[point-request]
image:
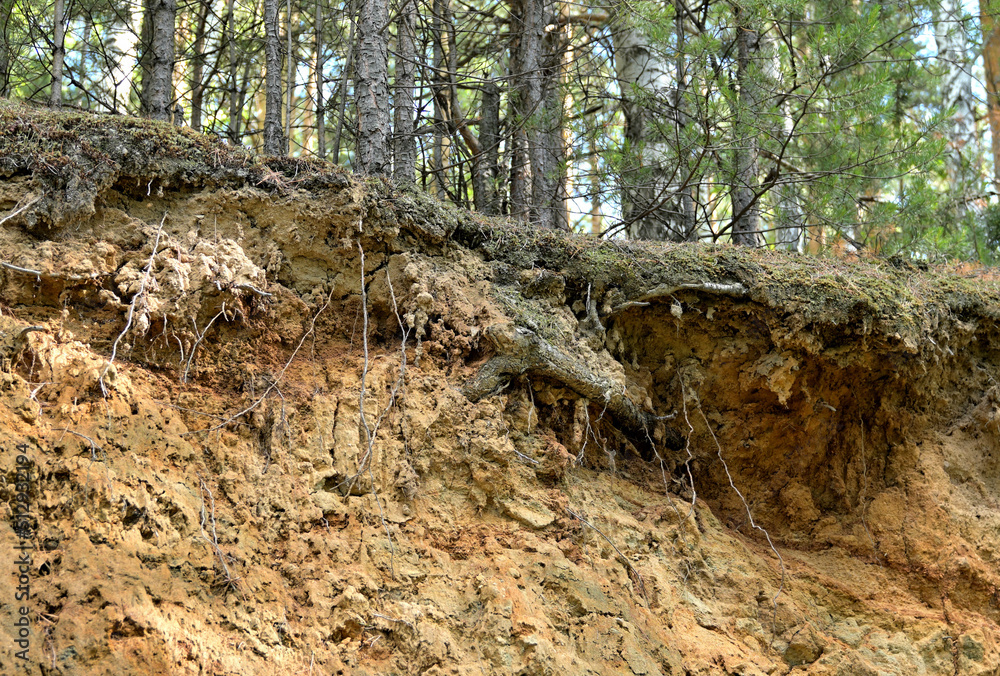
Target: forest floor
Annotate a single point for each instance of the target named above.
(283, 421)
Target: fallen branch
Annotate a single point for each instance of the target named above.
(520, 351)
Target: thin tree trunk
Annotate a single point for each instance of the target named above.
(953, 49)
(441, 99)
(6, 9)
(290, 77)
(654, 204)
(58, 54)
(790, 220)
(743, 191)
(235, 107)
(526, 101)
(157, 89)
(195, 84)
(274, 141)
(486, 169)
(371, 89)
(404, 141)
(320, 112)
(991, 62)
(549, 185)
(343, 84)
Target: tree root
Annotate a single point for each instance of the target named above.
(520, 351)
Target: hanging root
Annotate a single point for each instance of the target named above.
(520, 351)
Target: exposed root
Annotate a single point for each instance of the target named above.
(753, 524)
(520, 351)
(140, 295)
(640, 583)
(227, 580)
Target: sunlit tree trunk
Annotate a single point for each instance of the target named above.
(58, 53)
(195, 83)
(953, 51)
(371, 89)
(991, 62)
(274, 140)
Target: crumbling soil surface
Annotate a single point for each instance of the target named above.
(265, 418)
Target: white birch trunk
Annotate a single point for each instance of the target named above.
(954, 52)
(653, 204)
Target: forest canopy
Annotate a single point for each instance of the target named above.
(795, 124)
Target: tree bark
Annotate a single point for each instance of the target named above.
(654, 204)
(526, 99)
(441, 97)
(274, 140)
(549, 184)
(404, 143)
(320, 62)
(159, 25)
(991, 62)
(6, 9)
(290, 76)
(744, 189)
(195, 83)
(58, 53)
(486, 169)
(235, 105)
(371, 89)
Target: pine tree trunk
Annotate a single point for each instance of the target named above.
(274, 140)
(526, 102)
(235, 107)
(195, 83)
(654, 205)
(342, 100)
(320, 62)
(991, 63)
(404, 143)
(159, 25)
(58, 53)
(486, 169)
(744, 189)
(440, 94)
(290, 76)
(6, 9)
(371, 89)
(549, 184)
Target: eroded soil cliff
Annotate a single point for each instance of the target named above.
(282, 421)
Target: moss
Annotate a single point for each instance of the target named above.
(72, 157)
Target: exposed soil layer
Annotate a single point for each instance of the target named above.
(282, 421)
